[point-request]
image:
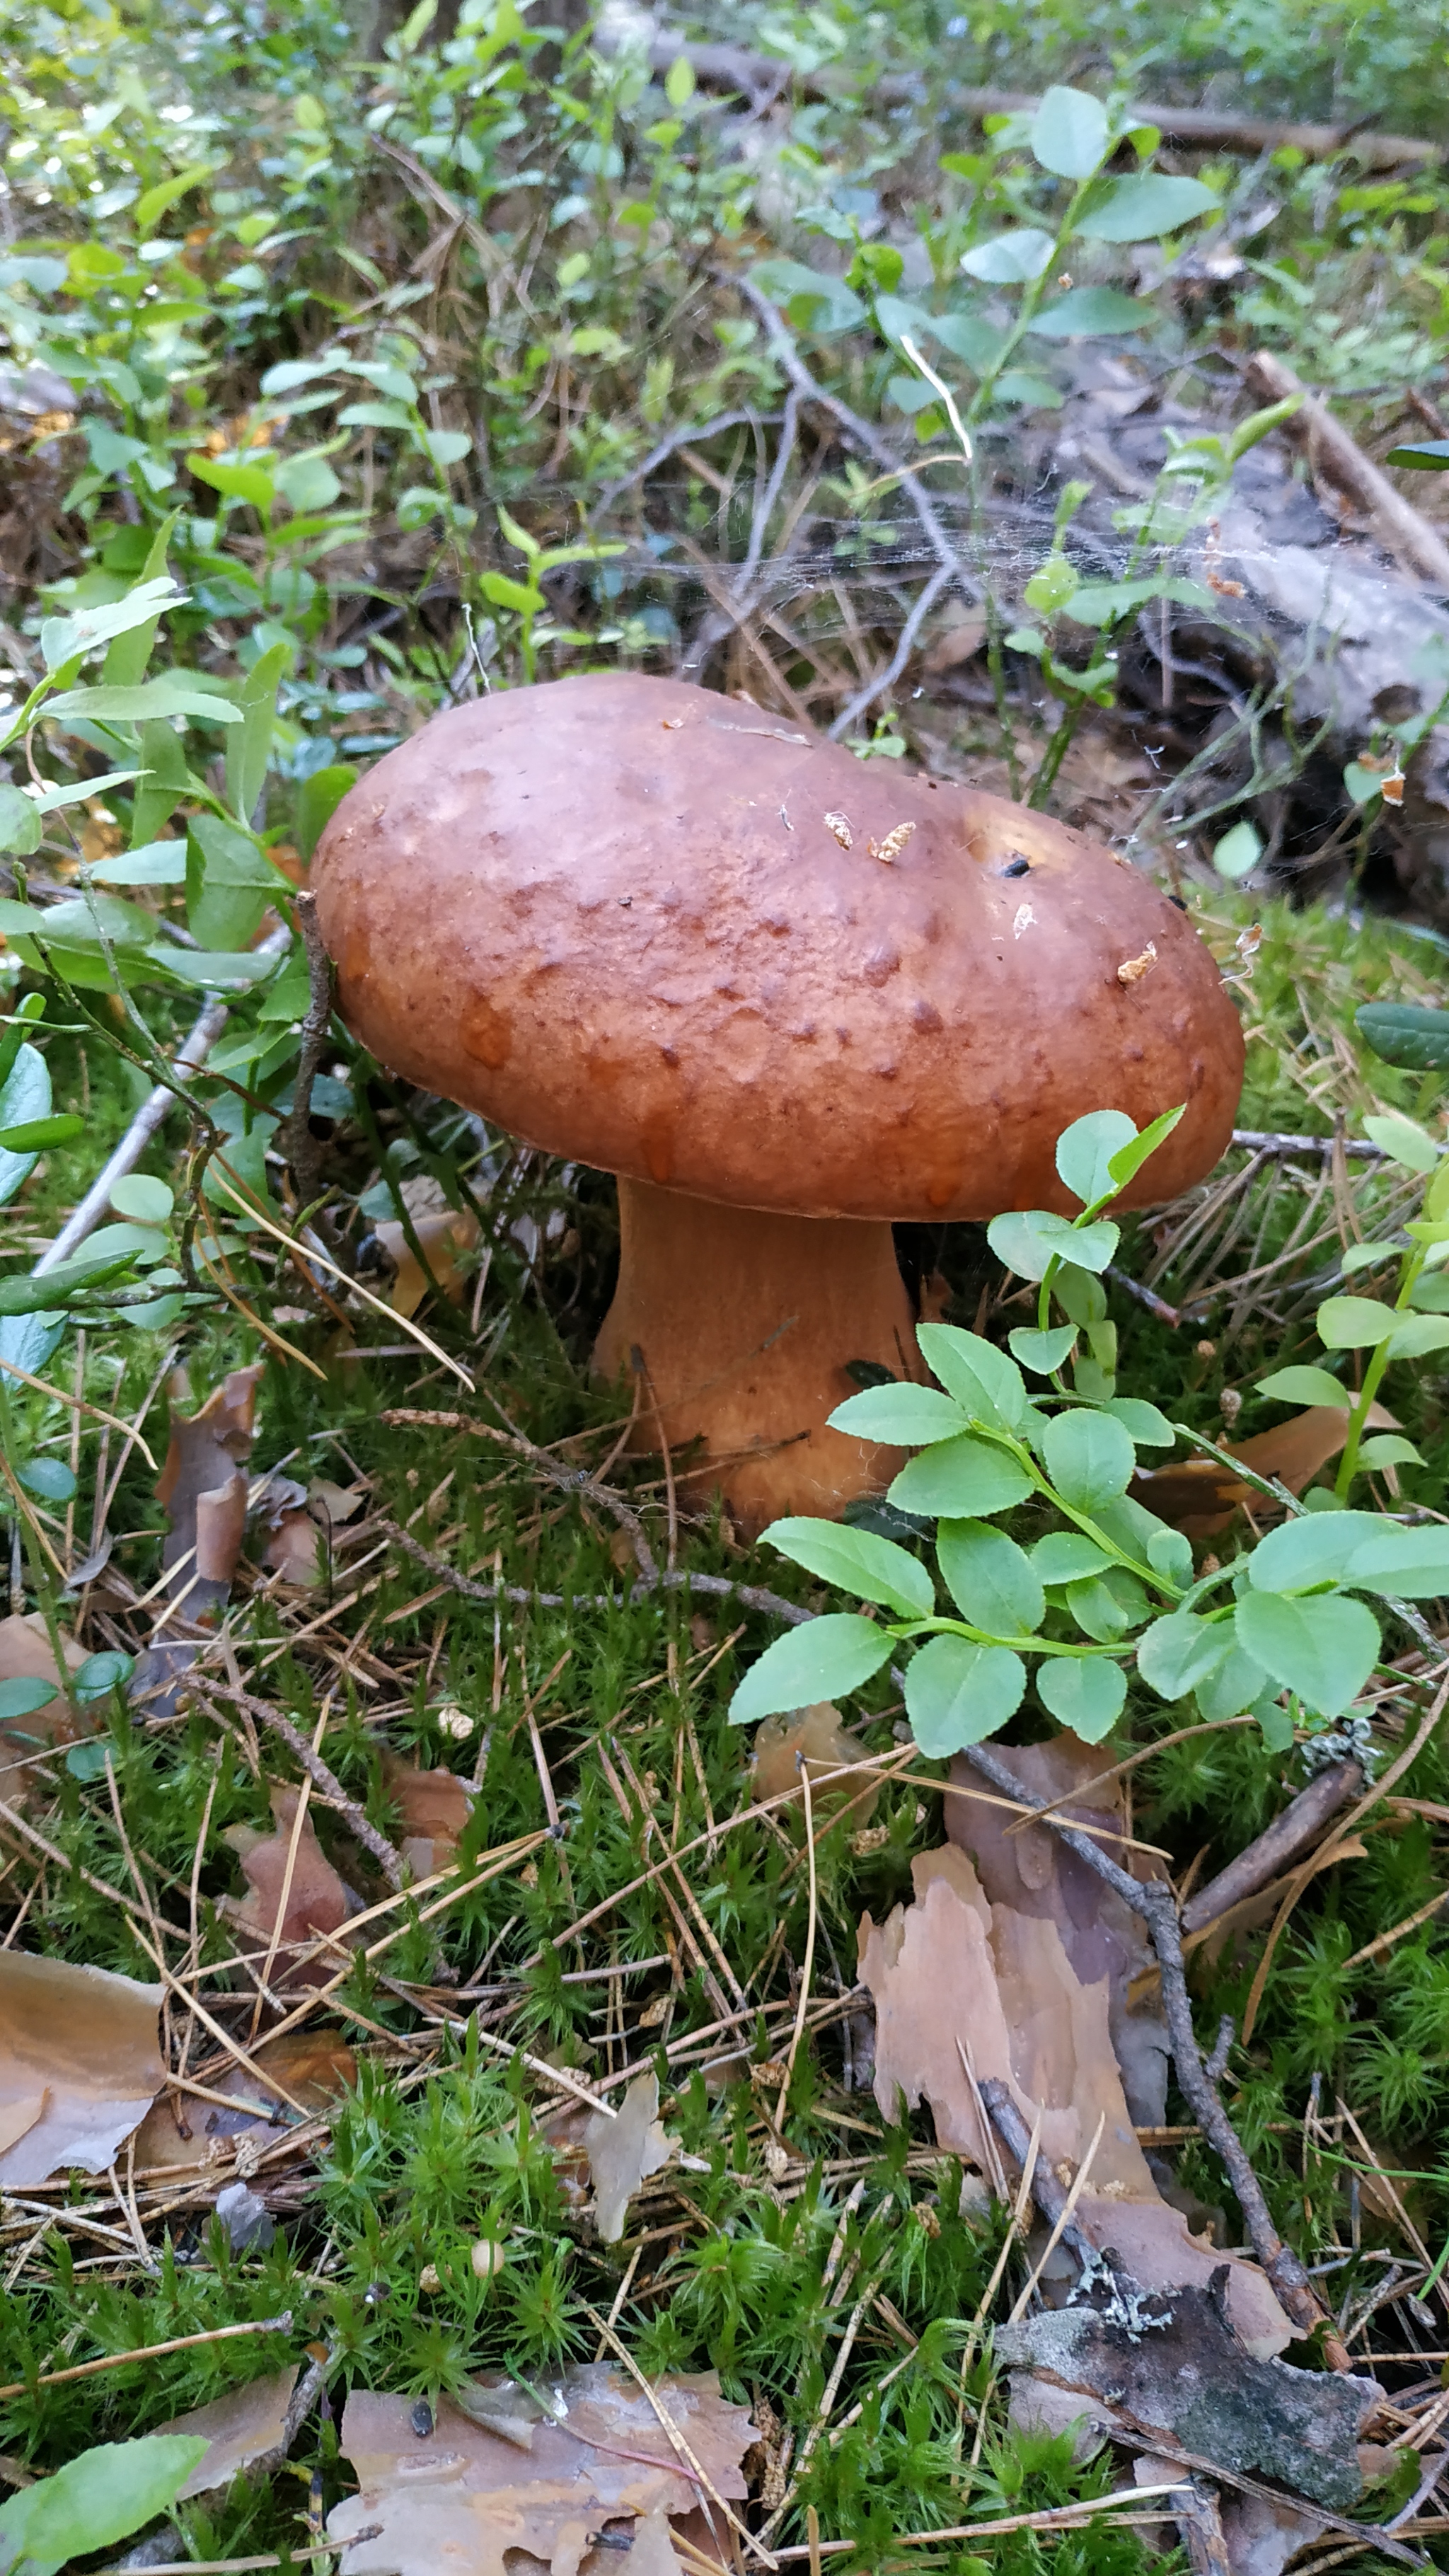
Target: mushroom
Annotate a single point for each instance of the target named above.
(787, 996)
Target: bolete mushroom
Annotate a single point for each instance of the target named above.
(787, 996)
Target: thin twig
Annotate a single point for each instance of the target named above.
(301, 1147)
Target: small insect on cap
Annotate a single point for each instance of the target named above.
(681, 938)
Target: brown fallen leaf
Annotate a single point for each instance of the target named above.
(624, 2151)
(25, 1655)
(435, 1807)
(446, 1236)
(312, 2067)
(80, 2065)
(315, 1901)
(817, 1734)
(467, 2500)
(293, 1552)
(1199, 1496)
(950, 1973)
(1181, 2372)
(241, 2428)
(203, 1486)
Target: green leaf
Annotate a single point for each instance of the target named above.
(49, 1478)
(214, 969)
(812, 302)
(960, 1480)
(1067, 1556)
(1086, 1695)
(1145, 207)
(679, 81)
(19, 821)
(856, 1561)
(1313, 1549)
(1012, 259)
(992, 1581)
(62, 639)
(81, 921)
(1100, 603)
(1080, 1295)
(100, 1674)
(1389, 1449)
(171, 693)
(165, 782)
(1427, 455)
(1403, 1141)
(984, 1382)
(153, 203)
(1412, 1564)
(1324, 1649)
(1402, 1034)
(1127, 1162)
(306, 482)
(1178, 1654)
(155, 863)
(235, 481)
(1069, 133)
(317, 802)
(141, 1197)
(1417, 1335)
(1232, 1685)
(1042, 1352)
(825, 1659)
(1141, 1421)
(249, 749)
(502, 592)
(907, 1417)
(229, 884)
(1029, 1240)
(1097, 1611)
(1237, 854)
(1354, 1323)
(1052, 585)
(1168, 1553)
(1087, 311)
(958, 1694)
(1086, 1150)
(24, 1094)
(1304, 1385)
(21, 1699)
(95, 2500)
(33, 1135)
(1089, 1457)
(58, 1286)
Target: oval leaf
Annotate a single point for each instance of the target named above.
(856, 1561)
(1089, 310)
(1234, 1684)
(1145, 207)
(1177, 1655)
(1324, 1649)
(1417, 1335)
(823, 1659)
(1403, 1141)
(1012, 259)
(1402, 1034)
(95, 2500)
(21, 1698)
(1311, 1550)
(1409, 1564)
(962, 1479)
(1069, 133)
(1067, 1556)
(1354, 1323)
(907, 1417)
(1042, 1352)
(1087, 1696)
(958, 1694)
(1086, 1150)
(991, 1580)
(984, 1382)
(1089, 1457)
(1305, 1385)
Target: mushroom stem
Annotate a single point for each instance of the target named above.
(746, 1324)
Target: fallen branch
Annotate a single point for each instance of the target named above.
(1300, 1824)
(1404, 530)
(389, 1860)
(763, 78)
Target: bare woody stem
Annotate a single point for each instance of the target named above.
(301, 1147)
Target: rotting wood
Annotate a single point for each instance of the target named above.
(1406, 533)
(763, 78)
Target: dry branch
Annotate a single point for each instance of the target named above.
(762, 79)
(1290, 1833)
(1404, 530)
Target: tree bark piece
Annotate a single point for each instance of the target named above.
(1290, 1833)
(1406, 533)
(763, 78)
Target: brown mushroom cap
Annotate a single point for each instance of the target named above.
(671, 935)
